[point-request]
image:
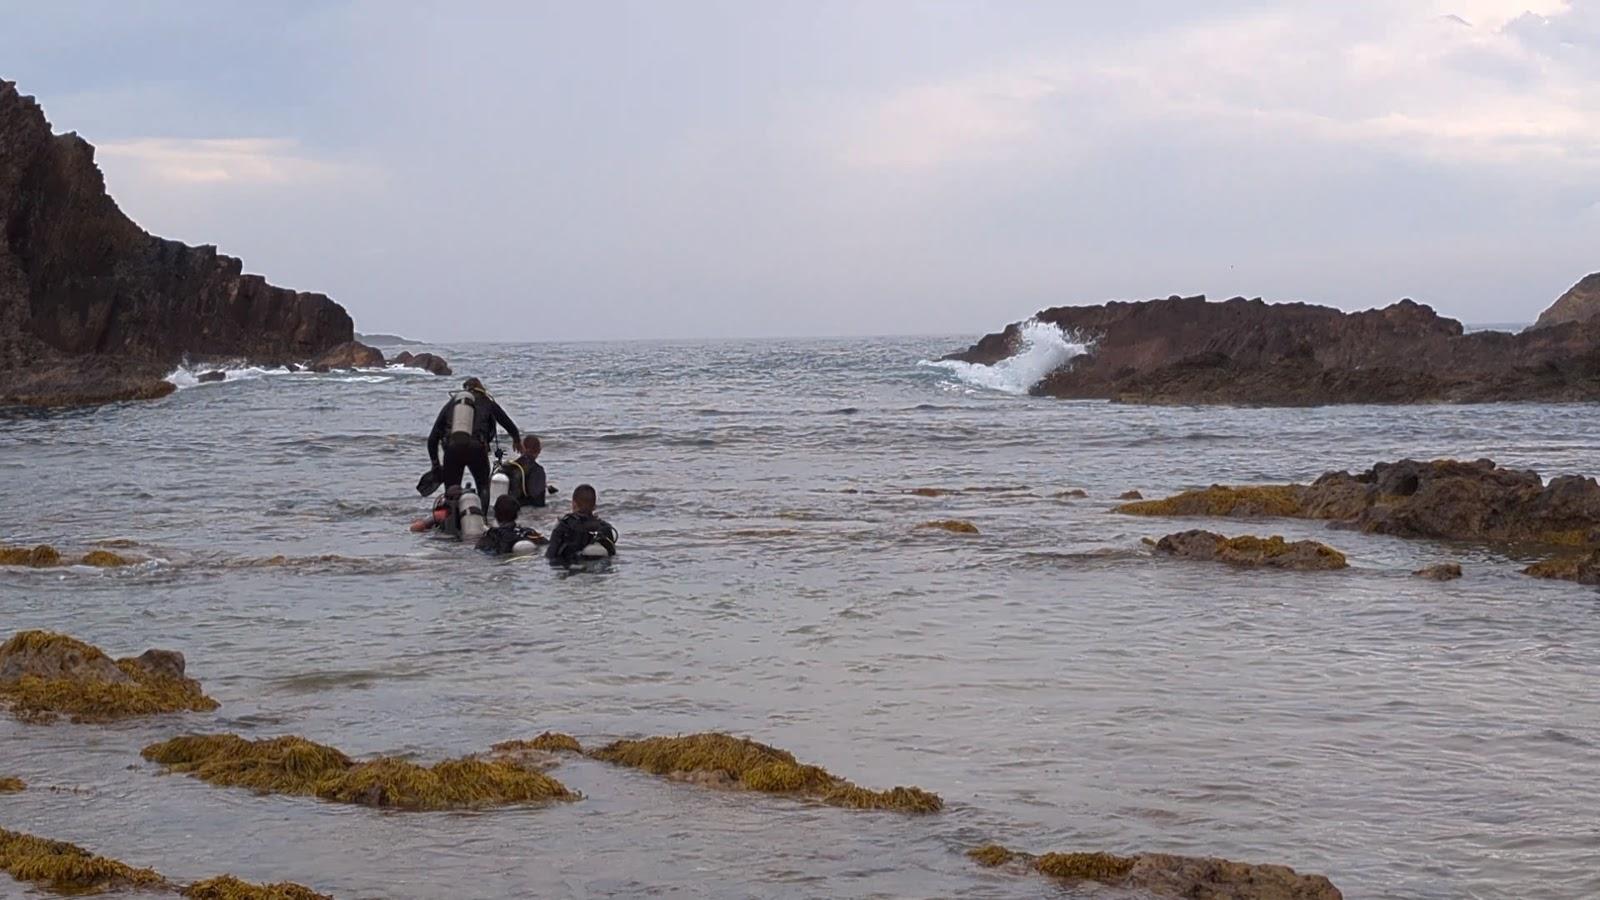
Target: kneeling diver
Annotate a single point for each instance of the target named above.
(581, 534)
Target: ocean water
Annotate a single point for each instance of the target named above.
(1058, 686)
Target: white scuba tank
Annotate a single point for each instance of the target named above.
(523, 548)
(499, 486)
(472, 524)
(464, 412)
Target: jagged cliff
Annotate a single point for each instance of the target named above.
(1188, 350)
(94, 309)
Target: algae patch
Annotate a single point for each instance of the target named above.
(67, 868)
(227, 887)
(44, 675)
(294, 765)
(1281, 501)
(721, 760)
(12, 785)
(550, 741)
(45, 556)
(1165, 875)
(954, 526)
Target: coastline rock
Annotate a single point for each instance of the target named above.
(1584, 569)
(1440, 572)
(431, 363)
(1443, 499)
(93, 309)
(1252, 552)
(212, 376)
(1073, 494)
(44, 675)
(1580, 304)
(348, 355)
(1165, 875)
(403, 358)
(1130, 495)
(1189, 350)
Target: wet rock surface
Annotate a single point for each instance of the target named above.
(44, 676)
(1164, 875)
(1189, 350)
(1250, 552)
(1440, 572)
(348, 355)
(95, 310)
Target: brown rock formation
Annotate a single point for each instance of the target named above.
(1165, 875)
(94, 309)
(348, 355)
(1440, 572)
(1252, 552)
(1187, 350)
(431, 363)
(1580, 304)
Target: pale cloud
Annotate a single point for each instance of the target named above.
(253, 161)
(1404, 79)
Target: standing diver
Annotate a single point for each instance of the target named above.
(466, 425)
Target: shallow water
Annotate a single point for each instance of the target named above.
(1060, 688)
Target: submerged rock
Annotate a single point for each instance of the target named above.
(1440, 572)
(45, 675)
(12, 785)
(294, 765)
(1249, 551)
(40, 557)
(720, 760)
(1130, 495)
(1073, 494)
(550, 741)
(68, 868)
(348, 355)
(1584, 568)
(209, 377)
(954, 526)
(1443, 499)
(1164, 875)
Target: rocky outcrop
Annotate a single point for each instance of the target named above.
(94, 309)
(45, 675)
(1584, 568)
(1251, 552)
(1580, 304)
(431, 363)
(1189, 350)
(348, 355)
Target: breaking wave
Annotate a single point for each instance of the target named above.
(185, 377)
(1044, 348)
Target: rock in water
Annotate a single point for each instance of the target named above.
(348, 355)
(212, 376)
(1582, 568)
(1440, 572)
(1188, 350)
(431, 363)
(1252, 552)
(1161, 875)
(94, 309)
(403, 358)
(1580, 304)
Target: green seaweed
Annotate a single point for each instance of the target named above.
(552, 741)
(954, 526)
(12, 785)
(1103, 867)
(40, 557)
(1280, 501)
(227, 887)
(753, 766)
(67, 868)
(294, 765)
(88, 699)
(991, 855)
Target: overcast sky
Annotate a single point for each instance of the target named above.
(623, 170)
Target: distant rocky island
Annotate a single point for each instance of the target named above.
(93, 309)
(388, 340)
(1185, 350)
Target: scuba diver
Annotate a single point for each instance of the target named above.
(527, 481)
(466, 427)
(581, 534)
(504, 537)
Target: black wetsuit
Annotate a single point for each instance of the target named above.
(463, 451)
(576, 531)
(500, 539)
(527, 481)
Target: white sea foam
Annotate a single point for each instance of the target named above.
(185, 377)
(1043, 349)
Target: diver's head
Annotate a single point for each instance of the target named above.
(505, 510)
(531, 446)
(474, 385)
(584, 498)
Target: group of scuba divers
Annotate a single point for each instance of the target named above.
(466, 427)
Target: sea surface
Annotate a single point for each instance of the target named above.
(1055, 683)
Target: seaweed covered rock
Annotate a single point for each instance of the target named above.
(44, 675)
(1442, 499)
(1582, 568)
(227, 887)
(953, 526)
(1164, 875)
(67, 868)
(720, 760)
(40, 557)
(1440, 572)
(294, 765)
(1252, 552)
(550, 742)
(12, 785)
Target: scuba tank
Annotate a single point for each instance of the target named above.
(523, 548)
(499, 486)
(464, 413)
(471, 516)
